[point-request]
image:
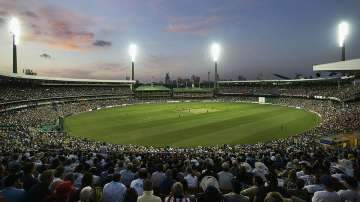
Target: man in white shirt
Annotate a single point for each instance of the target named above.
(114, 191)
(350, 194)
(148, 195)
(329, 194)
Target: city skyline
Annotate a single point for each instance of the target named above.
(81, 39)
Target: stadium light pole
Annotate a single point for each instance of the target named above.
(343, 32)
(215, 52)
(132, 53)
(14, 26)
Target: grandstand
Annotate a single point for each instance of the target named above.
(186, 93)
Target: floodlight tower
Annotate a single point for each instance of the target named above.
(132, 53)
(14, 26)
(215, 52)
(343, 32)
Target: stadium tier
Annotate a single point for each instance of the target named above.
(53, 164)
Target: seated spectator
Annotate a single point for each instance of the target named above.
(209, 181)
(40, 191)
(351, 193)
(148, 193)
(114, 191)
(317, 186)
(299, 191)
(276, 197)
(87, 192)
(177, 194)
(192, 180)
(306, 174)
(28, 178)
(166, 184)
(211, 194)
(138, 183)
(235, 195)
(251, 191)
(58, 175)
(272, 186)
(127, 175)
(11, 192)
(225, 177)
(329, 194)
(64, 192)
(157, 177)
(130, 195)
(290, 182)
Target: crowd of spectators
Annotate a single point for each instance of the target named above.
(30, 92)
(340, 91)
(55, 167)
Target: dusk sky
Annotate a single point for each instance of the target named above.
(90, 38)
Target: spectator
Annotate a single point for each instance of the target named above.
(127, 175)
(138, 183)
(114, 191)
(191, 180)
(251, 191)
(177, 194)
(130, 195)
(271, 187)
(28, 178)
(40, 191)
(225, 177)
(87, 192)
(235, 195)
(11, 192)
(166, 184)
(211, 194)
(148, 193)
(351, 193)
(329, 194)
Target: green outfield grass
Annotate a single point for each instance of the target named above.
(191, 124)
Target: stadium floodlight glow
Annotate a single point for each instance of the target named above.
(343, 32)
(14, 26)
(215, 51)
(132, 52)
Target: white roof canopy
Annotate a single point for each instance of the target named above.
(342, 66)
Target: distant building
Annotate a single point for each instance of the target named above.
(167, 79)
(195, 79)
(29, 72)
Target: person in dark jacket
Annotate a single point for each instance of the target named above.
(40, 192)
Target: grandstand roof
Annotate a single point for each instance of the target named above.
(286, 80)
(342, 66)
(152, 88)
(191, 90)
(51, 80)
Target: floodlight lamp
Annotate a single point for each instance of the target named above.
(132, 52)
(215, 51)
(342, 33)
(14, 26)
